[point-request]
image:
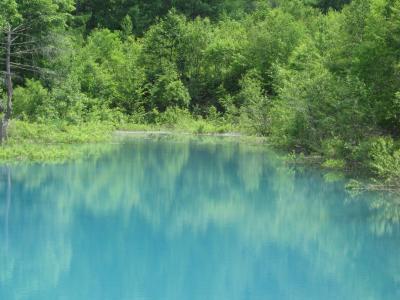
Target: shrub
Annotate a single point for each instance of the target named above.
(32, 102)
(173, 116)
(384, 159)
(334, 164)
(334, 148)
(379, 156)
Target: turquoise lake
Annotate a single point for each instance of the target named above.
(166, 218)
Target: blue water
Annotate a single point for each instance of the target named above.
(188, 219)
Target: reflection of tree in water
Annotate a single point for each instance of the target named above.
(384, 218)
(7, 198)
(38, 250)
(383, 221)
(181, 186)
(5, 181)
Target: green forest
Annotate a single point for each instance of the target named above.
(314, 77)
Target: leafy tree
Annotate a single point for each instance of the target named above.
(271, 42)
(168, 90)
(144, 13)
(313, 75)
(315, 105)
(325, 5)
(254, 103)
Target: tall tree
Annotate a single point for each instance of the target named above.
(144, 13)
(25, 27)
(8, 15)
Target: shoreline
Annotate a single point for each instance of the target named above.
(40, 143)
(171, 132)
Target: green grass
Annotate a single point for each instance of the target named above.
(51, 142)
(196, 127)
(181, 121)
(36, 133)
(55, 142)
(39, 153)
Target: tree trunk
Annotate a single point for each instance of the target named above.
(8, 205)
(3, 130)
(8, 107)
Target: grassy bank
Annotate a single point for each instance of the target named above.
(59, 141)
(51, 142)
(372, 165)
(179, 121)
(375, 163)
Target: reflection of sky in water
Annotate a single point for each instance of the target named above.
(191, 219)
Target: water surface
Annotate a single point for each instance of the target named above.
(180, 219)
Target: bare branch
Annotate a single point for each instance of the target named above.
(23, 65)
(13, 74)
(23, 34)
(23, 26)
(31, 68)
(21, 43)
(17, 27)
(20, 35)
(27, 68)
(31, 51)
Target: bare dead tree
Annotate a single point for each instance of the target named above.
(17, 45)
(6, 108)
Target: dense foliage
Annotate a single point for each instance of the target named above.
(315, 76)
